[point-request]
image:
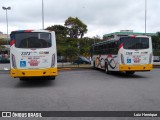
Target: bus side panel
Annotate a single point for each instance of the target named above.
(101, 60)
(112, 61)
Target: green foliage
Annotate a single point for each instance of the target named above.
(69, 39)
(3, 42)
(156, 44)
(71, 53)
(76, 28)
(59, 30)
(2, 48)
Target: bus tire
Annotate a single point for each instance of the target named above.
(22, 79)
(130, 72)
(94, 65)
(106, 68)
(52, 78)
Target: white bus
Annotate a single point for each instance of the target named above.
(129, 54)
(33, 54)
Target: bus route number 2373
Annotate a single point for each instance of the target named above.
(25, 53)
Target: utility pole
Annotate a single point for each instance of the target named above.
(145, 15)
(42, 15)
(7, 8)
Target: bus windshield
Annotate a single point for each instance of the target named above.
(135, 42)
(32, 40)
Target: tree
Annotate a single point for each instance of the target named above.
(76, 28)
(59, 30)
(3, 42)
(61, 35)
(156, 44)
(71, 53)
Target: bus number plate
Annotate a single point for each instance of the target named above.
(25, 53)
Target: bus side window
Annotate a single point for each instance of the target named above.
(115, 47)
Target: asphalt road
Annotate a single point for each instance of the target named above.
(83, 90)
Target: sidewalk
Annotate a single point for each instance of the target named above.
(156, 64)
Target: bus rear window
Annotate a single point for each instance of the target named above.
(135, 42)
(32, 40)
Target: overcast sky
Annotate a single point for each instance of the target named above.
(101, 16)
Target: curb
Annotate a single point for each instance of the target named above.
(59, 69)
(73, 68)
(4, 71)
(67, 69)
(156, 66)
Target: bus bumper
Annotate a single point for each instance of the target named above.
(17, 73)
(146, 67)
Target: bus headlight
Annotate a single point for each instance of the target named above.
(14, 62)
(122, 58)
(53, 60)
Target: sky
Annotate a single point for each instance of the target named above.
(100, 16)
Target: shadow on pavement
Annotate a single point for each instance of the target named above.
(122, 74)
(35, 83)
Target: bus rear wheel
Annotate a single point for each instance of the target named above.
(94, 65)
(106, 68)
(130, 72)
(52, 78)
(23, 79)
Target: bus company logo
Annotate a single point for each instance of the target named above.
(44, 52)
(128, 53)
(144, 53)
(137, 60)
(33, 62)
(6, 114)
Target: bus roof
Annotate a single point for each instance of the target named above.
(113, 39)
(129, 33)
(105, 41)
(22, 31)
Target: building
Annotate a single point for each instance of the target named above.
(5, 36)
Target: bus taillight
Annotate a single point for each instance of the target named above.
(150, 58)
(53, 60)
(122, 58)
(14, 61)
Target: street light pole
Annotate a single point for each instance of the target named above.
(7, 8)
(42, 15)
(145, 14)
